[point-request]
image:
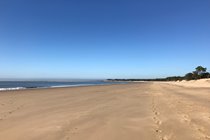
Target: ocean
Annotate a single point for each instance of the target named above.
(17, 85)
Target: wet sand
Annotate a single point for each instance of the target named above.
(138, 111)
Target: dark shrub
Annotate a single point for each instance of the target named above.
(189, 76)
(204, 75)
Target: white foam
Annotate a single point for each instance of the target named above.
(16, 88)
(77, 85)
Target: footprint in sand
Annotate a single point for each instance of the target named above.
(202, 132)
(160, 136)
(157, 113)
(158, 131)
(186, 118)
(158, 122)
(199, 129)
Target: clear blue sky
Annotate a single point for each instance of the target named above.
(103, 38)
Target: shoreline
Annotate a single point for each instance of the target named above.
(59, 86)
(64, 87)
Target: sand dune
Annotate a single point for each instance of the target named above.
(139, 111)
(193, 83)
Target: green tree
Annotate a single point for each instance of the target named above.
(200, 70)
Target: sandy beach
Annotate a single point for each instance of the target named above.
(135, 111)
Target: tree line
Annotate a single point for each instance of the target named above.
(199, 73)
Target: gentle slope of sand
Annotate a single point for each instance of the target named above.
(139, 111)
(193, 83)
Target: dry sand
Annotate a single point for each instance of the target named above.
(193, 83)
(139, 111)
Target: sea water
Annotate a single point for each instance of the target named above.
(17, 85)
